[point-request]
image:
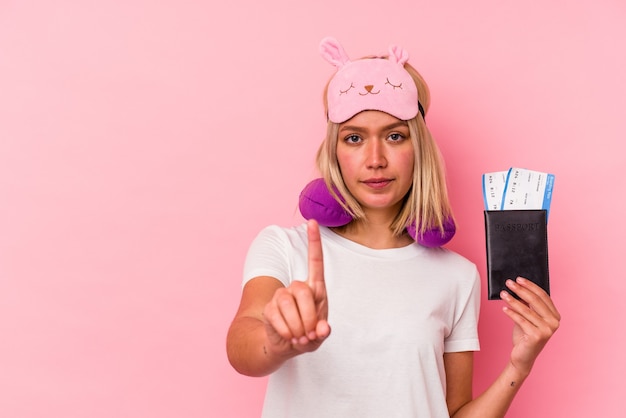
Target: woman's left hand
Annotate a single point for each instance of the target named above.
(536, 320)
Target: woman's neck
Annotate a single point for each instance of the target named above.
(373, 233)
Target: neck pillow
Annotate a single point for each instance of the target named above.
(316, 202)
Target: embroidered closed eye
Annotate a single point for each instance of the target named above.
(346, 90)
(399, 86)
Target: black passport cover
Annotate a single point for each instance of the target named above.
(517, 245)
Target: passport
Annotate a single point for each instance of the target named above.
(517, 245)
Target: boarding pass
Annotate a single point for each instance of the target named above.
(518, 188)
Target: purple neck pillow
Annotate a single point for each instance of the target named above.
(317, 203)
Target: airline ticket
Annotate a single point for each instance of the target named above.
(518, 188)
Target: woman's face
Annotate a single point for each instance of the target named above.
(376, 158)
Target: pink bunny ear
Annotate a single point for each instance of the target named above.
(333, 52)
(398, 55)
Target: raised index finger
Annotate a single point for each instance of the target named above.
(315, 257)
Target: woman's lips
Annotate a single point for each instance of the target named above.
(377, 183)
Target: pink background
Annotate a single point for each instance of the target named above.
(144, 144)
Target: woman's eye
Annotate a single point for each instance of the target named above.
(396, 137)
(353, 139)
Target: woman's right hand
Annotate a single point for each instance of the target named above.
(296, 318)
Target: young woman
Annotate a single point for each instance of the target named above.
(403, 315)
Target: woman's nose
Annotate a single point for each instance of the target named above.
(376, 155)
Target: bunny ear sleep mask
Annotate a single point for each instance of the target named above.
(369, 84)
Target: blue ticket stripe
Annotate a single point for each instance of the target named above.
(547, 196)
(506, 187)
(485, 194)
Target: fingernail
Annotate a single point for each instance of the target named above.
(520, 280)
(504, 295)
(312, 335)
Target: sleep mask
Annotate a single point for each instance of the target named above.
(369, 84)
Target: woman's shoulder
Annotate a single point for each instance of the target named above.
(281, 234)
(298, 229)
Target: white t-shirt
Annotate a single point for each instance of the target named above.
(393, 313)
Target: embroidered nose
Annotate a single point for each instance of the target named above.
(369, 88)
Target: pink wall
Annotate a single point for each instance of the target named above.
(142, 146)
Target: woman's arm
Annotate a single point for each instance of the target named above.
(246, 343)
(535, 319)
(459, 370)
(494, 402)
(274, 322)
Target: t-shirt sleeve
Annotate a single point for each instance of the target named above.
(464, 334)
(267, 256)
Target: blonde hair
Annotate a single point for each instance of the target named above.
(427, 200)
